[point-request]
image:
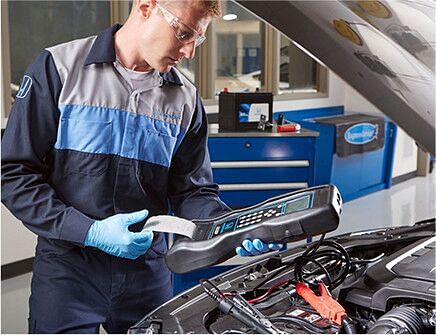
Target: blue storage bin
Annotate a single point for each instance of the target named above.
(356, 174)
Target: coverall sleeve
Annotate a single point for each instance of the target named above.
(29, 136)
(192, 192)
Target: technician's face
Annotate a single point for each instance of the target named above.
(166, 43)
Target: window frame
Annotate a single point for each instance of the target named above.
(6, 64)
(119, 11)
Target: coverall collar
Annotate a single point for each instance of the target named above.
(103, 51)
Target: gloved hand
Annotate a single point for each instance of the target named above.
(112, 235)
(257, 247)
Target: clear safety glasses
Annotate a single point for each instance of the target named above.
(184, 33)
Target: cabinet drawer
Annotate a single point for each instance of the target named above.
(237, 199)
(261, 148)
(260, 175)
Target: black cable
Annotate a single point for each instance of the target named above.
(332, 261)
(344, 269)
(216, 295)
(314, 247)
(210, 318)
(367, 261)
(238, 308)
(299, 322)
(299, 271)
(290, 264)
(349, 326)
(336, 254)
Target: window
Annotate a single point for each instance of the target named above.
(238, 48)
(298, 71)
(50, 23)
(245, 54)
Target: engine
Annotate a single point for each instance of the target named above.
(379, 281)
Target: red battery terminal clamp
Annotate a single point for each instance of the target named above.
(324, 304)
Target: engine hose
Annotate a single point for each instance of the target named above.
(402, 319)
(348, 326)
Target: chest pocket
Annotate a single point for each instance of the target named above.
(156, 147)
(90, 141)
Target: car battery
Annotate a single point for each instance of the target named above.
(242, 111)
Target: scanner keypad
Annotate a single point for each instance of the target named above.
(259, 216)
(247, 220)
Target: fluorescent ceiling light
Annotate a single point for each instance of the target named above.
(230, 17)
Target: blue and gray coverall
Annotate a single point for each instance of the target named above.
(83, 142)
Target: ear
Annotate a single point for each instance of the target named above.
(145, 7)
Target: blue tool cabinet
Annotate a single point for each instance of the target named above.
(253, 166)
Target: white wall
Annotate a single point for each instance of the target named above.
(355, 102)
(336, 87)
(406, 154)
(17, 242)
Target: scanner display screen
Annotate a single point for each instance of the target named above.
(298, 204)
(263, 214)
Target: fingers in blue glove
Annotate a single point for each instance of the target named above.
(143, 236)
(240, 251)
(275, 246)
(260, 246)
(251, 249)
(113, 237)
(140, 243)
(246, 248)
(256, 247)
(138, 248)
(134, 217)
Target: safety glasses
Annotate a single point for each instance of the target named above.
(184, 33)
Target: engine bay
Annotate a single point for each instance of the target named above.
(377, 281)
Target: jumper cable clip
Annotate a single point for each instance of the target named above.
(324, 304)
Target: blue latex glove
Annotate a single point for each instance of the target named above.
(112, 235)
(256, 247)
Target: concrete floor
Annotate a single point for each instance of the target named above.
(403, 204)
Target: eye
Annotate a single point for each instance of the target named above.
(185, 35)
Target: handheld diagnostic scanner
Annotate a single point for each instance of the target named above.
(286, 218)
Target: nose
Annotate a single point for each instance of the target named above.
(188, 50)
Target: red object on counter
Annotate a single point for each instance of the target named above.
(288, 127)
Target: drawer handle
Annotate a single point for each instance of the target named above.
(248, 145)
(259, 164)
(261, 186)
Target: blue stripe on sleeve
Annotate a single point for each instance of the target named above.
(103, 130)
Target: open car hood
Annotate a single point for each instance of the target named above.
(384, 50)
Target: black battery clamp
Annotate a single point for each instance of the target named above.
(286, 218)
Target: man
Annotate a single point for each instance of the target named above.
(102, 128)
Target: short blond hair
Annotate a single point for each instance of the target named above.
(207, 7)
